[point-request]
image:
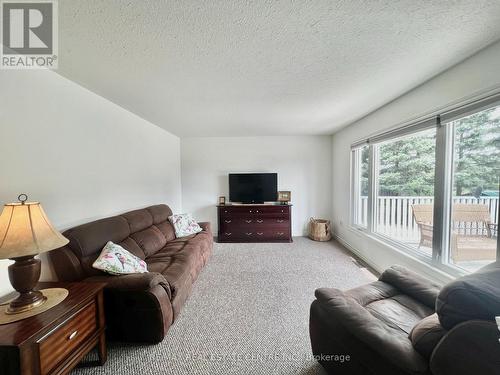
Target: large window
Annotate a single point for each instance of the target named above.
(432, 188)
(473, 226)
(404, 183)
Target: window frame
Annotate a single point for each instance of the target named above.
(443, 178)
(355, 187)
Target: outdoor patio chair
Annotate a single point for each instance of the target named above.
(473, 234)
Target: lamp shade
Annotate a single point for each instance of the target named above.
(25, 230)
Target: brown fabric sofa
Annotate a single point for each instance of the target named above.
(403, 324)
(139, 307)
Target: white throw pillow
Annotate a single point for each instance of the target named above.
(115, 260)
(184, 225)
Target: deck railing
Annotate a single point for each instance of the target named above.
(395, 215)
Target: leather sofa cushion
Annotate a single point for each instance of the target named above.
(389, 305)
(426, 335)
(475, 296)
(378, 329)
(412, 284)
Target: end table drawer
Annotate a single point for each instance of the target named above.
(60, 343)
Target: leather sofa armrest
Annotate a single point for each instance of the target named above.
(412, 284)
(470, 347)
(206, 226)
(378, 336)
(133, 282)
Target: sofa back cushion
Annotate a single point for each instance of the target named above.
(411, 284)
(142, 232)
(86, 241)
(475, 296)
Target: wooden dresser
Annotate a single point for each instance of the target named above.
(255, 223)
(54, 341)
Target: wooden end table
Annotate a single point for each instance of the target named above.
(55, 341)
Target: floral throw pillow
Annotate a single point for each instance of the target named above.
(115, 260)
(184, 225)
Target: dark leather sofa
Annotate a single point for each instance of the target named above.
(139, 307)
(404, 324)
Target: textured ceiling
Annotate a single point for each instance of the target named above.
(237, 68)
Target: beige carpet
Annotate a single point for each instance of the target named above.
(248, 314)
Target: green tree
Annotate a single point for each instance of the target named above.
(406, 166)
(477, 153)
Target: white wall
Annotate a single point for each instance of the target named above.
(475, 75)
(80, 155)
(303, 165)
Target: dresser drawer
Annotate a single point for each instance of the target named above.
(246, 221)
(60, 343)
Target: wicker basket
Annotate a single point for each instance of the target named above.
(319, 230)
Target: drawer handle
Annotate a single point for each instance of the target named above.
(282, 211)
(248, 221)
(227, 221)
(250, 211)
(259, 233)
(227, 233)
(257, 211)
(249, 234)
(280, 233)
(279, 221)
(73, 335)
(260, 221)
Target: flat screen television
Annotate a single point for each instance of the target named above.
(253, 187)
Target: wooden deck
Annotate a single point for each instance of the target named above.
(394, 219)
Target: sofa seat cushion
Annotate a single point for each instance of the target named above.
(390, 305)
(399, 312)
(377, 329)
(179, 261)
(426, 335)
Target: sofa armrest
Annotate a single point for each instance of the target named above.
(471, 347)
(412, 284)
(206, 226)
(376, 335)
(133, 282)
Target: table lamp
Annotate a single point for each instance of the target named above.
(25, 232)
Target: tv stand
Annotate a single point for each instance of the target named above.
(254, 223)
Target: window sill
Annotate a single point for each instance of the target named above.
(442, 271)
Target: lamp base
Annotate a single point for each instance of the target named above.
(54, 297)
(26, 302)
(23, 276)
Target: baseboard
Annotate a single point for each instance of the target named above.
(361, 256)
